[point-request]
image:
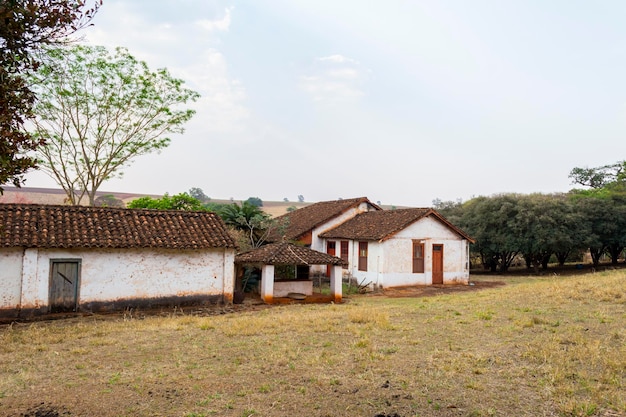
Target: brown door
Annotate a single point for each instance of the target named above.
(344, 253)
(64, 284)
(331, 248)
(437, 264)
(362, 256)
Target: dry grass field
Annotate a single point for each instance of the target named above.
(533, 347)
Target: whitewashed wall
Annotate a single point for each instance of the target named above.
(110, 275)
(319, 244)
(10, 277)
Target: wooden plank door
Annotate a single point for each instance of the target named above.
(437, 264)
(331, 249)
(344, 253)
(363, 256)
(64, 284)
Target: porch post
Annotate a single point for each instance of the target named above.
(267, 283)
(335, 282)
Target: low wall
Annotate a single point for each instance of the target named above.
(284, 287)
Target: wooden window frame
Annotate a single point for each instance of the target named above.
(418, 261)
(363, 252)
(344, 252)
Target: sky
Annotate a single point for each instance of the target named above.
(403, 102)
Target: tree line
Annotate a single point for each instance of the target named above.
(541, 227)
(247, 222)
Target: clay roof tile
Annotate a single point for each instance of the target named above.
(48, 226)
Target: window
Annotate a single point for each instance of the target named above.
(344, 253)
(362, 256)
(418, 257)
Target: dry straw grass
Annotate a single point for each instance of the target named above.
(535, 347)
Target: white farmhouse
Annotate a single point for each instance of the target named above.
(305, 225)
(391, 248)
(70, 258)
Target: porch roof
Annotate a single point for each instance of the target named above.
(285, 253)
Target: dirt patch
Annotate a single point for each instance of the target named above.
(44, 410)
(252, 302)
(433, 290)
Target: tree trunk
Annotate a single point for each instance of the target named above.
(545, 259)
(615, 251)
(528, 259)
(596, 253)
(562, 257)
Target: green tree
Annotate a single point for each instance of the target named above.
(255, 201)
(100, 110)
(250, 219)
(606, 220)
(108, 200)
(182, 201)
(490, 221)
(25, 27)
(451, 210)
(546, 225)
(199, 194)
(599, 177)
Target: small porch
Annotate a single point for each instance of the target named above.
(286, 255)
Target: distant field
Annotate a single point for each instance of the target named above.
(535, 346)
(31, 195)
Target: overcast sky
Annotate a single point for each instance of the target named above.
(399, 101)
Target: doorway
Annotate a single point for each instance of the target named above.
(64, 285)
(438, 264)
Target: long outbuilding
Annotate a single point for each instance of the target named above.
(72, 258)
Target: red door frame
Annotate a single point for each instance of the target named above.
(437, 264)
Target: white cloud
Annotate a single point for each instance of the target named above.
(221, 107)
(346, 73)
(221, 25)
(334, 79)
(340, 59)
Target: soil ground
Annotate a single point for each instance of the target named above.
(524, 346)
(253, 302)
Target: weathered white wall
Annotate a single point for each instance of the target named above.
(319, 244)
(390, 262)
(113, 274)
(35, 281)
(375, 259)
(10, 277)
(150, 274)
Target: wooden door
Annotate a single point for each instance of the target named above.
(437, 264)
(64, 284)
(362, 256)
(344, 253)
(331, 249)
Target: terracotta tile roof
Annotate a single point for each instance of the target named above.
(305, 219)
(286, 254)
(49, 226)
(381, 225)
